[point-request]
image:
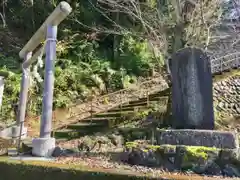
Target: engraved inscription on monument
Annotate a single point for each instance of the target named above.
(192, 96)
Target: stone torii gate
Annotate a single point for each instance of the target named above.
(45, 144)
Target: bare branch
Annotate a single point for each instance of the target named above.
(3, 20)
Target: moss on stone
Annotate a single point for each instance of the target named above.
(131, 144)
(196, 151)
(192, 153)
(168, 148)
(197, 155)
(153, 147)
(200, 151)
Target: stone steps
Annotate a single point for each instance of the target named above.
(145, 100)
(110, 118)
(70, 134)
(86, 126)
(113, 114)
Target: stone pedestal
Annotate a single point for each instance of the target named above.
(43, 147)
(206, 138)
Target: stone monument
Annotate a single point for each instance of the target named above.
(192, 96)
(192, 107)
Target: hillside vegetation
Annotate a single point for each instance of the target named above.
(103, 46)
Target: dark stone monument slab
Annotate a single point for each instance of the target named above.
(192, 96)
(191, 137)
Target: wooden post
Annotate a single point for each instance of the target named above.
(91, 105)
(153, 135)
(149, 75)
(1, 90)
(147, 98)
(121, 103)
(46, 119)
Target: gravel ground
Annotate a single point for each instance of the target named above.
(104, 160)
(108, 158)
(104, 163)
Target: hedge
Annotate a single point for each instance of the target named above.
(30, 170)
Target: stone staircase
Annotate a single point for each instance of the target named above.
(109, 109)
(103, 121)
(104, 103)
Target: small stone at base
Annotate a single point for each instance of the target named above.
(12, 152)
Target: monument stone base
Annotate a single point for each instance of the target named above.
(192, 137)
(13, 132)
(43, 147)
(16, 132)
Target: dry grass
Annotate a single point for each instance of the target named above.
(225, 75)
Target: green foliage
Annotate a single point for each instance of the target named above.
(197, 155)
(11, 93)
(91, 58)
(29, 18)
(9, 63)
(135, 56)
(78, 70)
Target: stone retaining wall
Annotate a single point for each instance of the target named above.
(226, 94)
(200, 160)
